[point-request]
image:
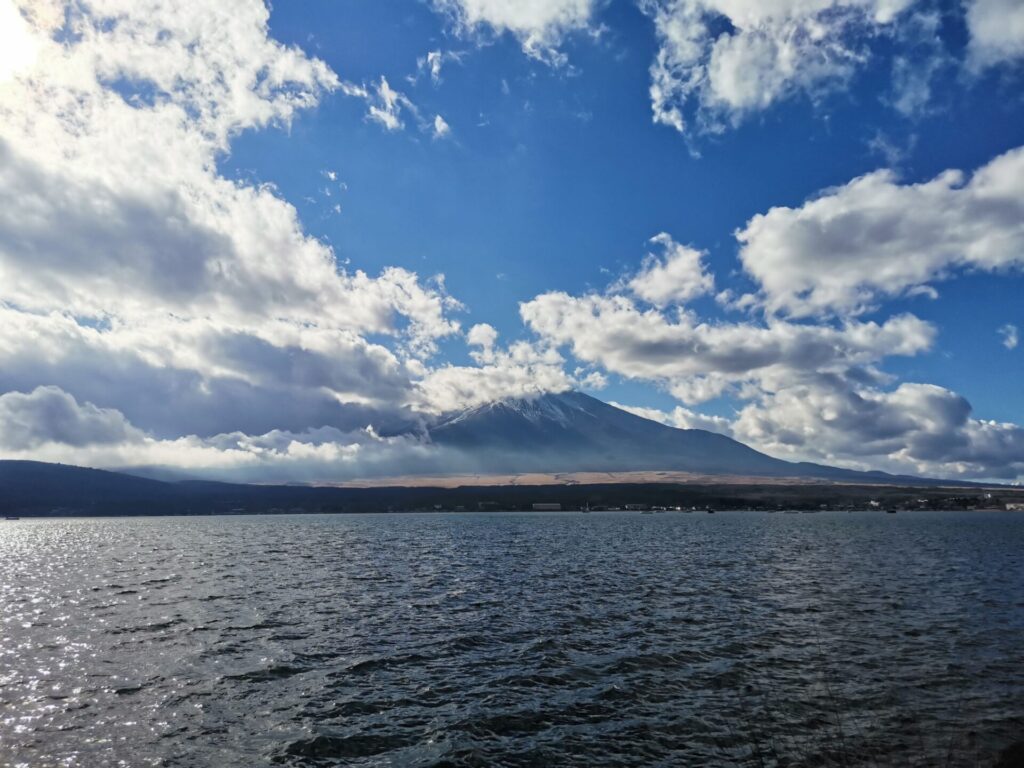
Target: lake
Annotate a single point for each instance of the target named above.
(513, 639)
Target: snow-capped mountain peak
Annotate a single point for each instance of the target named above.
(573, 432)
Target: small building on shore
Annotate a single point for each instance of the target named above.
(547, 507)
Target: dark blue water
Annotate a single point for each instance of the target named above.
(513, 639)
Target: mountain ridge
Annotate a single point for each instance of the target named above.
(574, 432)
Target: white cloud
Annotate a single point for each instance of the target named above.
(697, 358)
(681, 418)
(153, 312)
(678, 276)
(920, 55)
(1010, 336)
(384, 104)
(433, 63)
(18, 47)
(996, 29)
(873, 238)
(217, 66)
(483, 336)
(137, 279)
(198, 376)
(539, 25)
(441, 127)
(916, 428)
(720, 60)
(386, 107)
(912, 85)
(48, 414)
(47, 424)
(521, 370)
(807, 390)
(923, 55)
(592, 380)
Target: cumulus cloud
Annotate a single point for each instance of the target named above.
(523, 369)
(812, 387)
(169, 316)
(156, 313)
(917, 428)
(50, 415)
(186, 241)
(721, 60)
(483, 336)
(138, 280)
(677, 276)
(697, 359)
(996, 29)
(539, 25)
(50, 425)
(873, 238)
(520, 369)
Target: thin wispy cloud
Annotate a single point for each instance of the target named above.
(1010, 336)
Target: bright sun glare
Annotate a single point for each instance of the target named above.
(17, 46)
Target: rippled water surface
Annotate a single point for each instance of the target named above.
(512, 639)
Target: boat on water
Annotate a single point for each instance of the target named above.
(11, 517)
(890, 511)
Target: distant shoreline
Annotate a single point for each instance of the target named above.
(32, 489)
(539, 513)
(615, 478)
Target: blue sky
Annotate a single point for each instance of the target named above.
(558, 183)
(814, 282)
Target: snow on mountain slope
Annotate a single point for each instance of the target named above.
(570, 432)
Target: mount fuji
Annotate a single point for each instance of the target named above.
(573, 432)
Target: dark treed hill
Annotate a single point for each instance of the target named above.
(32, 483)
(33, 488)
